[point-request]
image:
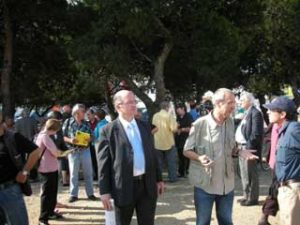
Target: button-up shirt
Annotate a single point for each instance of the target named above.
(167, 125)
(215, 141)
(288, 152)
(70, 127)
(127, 127)
(274, 140)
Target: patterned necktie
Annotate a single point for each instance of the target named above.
(138, 153)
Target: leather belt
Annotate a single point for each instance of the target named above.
(288, 182)
(139, 177)
(7, 184)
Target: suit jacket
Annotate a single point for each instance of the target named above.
(253, 130)
(115, 163)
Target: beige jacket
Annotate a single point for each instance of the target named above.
(201, 141)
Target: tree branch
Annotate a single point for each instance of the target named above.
(140, 52)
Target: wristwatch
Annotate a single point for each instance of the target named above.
(25, 172)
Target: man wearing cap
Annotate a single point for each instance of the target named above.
(282, 111)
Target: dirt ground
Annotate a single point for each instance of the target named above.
(175, 206)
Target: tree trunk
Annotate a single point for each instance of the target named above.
(158, 78)
(151, 106)
(262, 101)
(159, 67)
(294, 85)
(8, 108)
(108, 100)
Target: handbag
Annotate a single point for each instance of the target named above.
(26, 188)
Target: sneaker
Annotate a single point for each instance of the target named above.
(55, 216)
(92, 197)
(73, 199)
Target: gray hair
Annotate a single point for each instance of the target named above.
(249, 96)
(219, 95)
(118, 98)
(76, 108)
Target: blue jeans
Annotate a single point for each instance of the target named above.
(13, 205)
(170, 156)
(82, 157)
(204, 204)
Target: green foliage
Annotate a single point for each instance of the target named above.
(67, 50)
(208, 36)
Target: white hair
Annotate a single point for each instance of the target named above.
(119, 96)
(208, 95)
(76, 108)
(248, 96)
(219, 95)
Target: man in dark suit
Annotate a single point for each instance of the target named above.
(249, 135)
(128, 169)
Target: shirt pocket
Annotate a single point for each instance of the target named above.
(201, 149)
(281, 154)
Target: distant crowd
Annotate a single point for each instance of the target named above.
(127, 156)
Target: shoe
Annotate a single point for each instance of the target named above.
(55, 216)
(263, 222)
(241, 200)
(66, 185)
(249, 203)
(43, 223)
(73, 199)
(92, 197)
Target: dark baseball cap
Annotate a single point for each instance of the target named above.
(282, 103)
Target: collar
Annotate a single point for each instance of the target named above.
(211, 121)
(284, 126)
(125, 123)
(246, 112)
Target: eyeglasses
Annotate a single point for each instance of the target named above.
(129, 103)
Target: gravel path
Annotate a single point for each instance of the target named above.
(175, 207)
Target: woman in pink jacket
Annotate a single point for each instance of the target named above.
(48, 169)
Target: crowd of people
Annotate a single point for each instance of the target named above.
(127, 157)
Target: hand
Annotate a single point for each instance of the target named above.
(205, 161)
(88, 140)
(59, 152)
(21, 178)
(74, 140)
(160, 187)
(106, 201)
(247, 154)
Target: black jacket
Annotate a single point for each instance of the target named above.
(253, 130)
(115, 162)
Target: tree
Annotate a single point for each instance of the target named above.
(7, 59)
(150, 43)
